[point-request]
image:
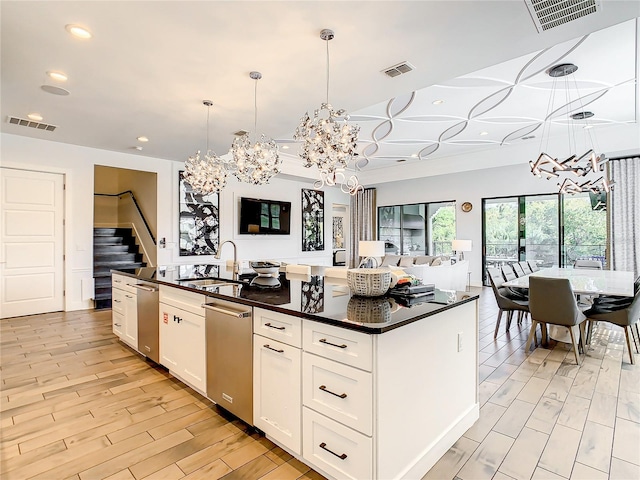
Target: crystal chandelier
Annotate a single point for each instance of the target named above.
(579, 173)
(255, 163)
(206, 174)
(329, 142)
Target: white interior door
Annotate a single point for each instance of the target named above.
(32, 242)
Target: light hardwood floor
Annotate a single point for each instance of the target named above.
(78, 404)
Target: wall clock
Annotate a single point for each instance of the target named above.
(466, 207)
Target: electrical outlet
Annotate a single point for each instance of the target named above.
(460, 341)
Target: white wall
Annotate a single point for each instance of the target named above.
(466, 187)
(77, 164)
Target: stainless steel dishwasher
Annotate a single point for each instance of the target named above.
(148, 320)
(229, 333)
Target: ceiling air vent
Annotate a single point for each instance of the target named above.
(399, 69)
(30, 123)
(548, 14)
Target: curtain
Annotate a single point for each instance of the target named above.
(624, 211)
(362, 214)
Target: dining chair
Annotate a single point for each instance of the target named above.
(525, 267)
(625, 317)
(505, 303)
(519, 271)
(514, 293)
(533, 266)
(552, 302)
(607, 303)
(588, 264)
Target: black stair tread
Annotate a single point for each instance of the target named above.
(105, 248)
(102, 296)
(100, 231)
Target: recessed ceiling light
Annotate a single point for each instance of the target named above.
(55, 90)
(78, 31)
(57, 76)
(36, 117)
(138, 147)
(587, 127)
(143, 139)
(438, 102)
(484, 133)
(414, 155)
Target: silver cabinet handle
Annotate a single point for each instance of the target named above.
(143, 287)
(324, 447)
(233, 313)
(324, 340)
(339, 395)
(274, 326)
(271, 348)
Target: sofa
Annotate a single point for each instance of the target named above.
(431, 269)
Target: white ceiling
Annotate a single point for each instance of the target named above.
(150, 64)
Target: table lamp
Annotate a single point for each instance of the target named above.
(461, 246)
(371, 250)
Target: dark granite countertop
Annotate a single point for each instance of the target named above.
(323, 299)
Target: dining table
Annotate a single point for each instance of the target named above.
(584, 281)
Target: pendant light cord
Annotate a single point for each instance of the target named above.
(208, 110)
(255, 110)
(327, 41)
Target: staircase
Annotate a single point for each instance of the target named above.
(113, 248)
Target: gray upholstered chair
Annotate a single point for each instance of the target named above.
(519, 271)
(525, 267)
(625, 317)
(588, 264)
(513, 293)
(552, 302)
(533, 266)
(505, 303)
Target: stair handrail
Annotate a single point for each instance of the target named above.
(146, 224)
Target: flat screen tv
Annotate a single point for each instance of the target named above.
(264, 217)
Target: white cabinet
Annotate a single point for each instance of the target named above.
(335, 449)
(276, 391)
(337, 400)
(125, 309)
(277, 405)
(182, 336)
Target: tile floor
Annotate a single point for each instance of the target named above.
(76, 403)
(543, 417)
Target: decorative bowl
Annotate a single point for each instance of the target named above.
(368, 282)
(265, 268)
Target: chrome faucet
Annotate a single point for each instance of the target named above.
(235, 257)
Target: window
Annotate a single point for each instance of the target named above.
(550, 230)
(417, 229)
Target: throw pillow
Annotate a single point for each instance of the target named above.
(436, 262)
(423, 260)
(390, 260)
(406, 262)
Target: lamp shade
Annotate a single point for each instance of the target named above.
(461, 245)
(370, 248)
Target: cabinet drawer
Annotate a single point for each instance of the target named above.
(117, 303)
(278, 326)
(123, 282)
(183, 299)
(334, 448)
(118, 321)
(345, 346)
(338, 391)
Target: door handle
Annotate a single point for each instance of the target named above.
(324, 340)
(271, 348)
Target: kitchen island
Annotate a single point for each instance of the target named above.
(354, 387)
